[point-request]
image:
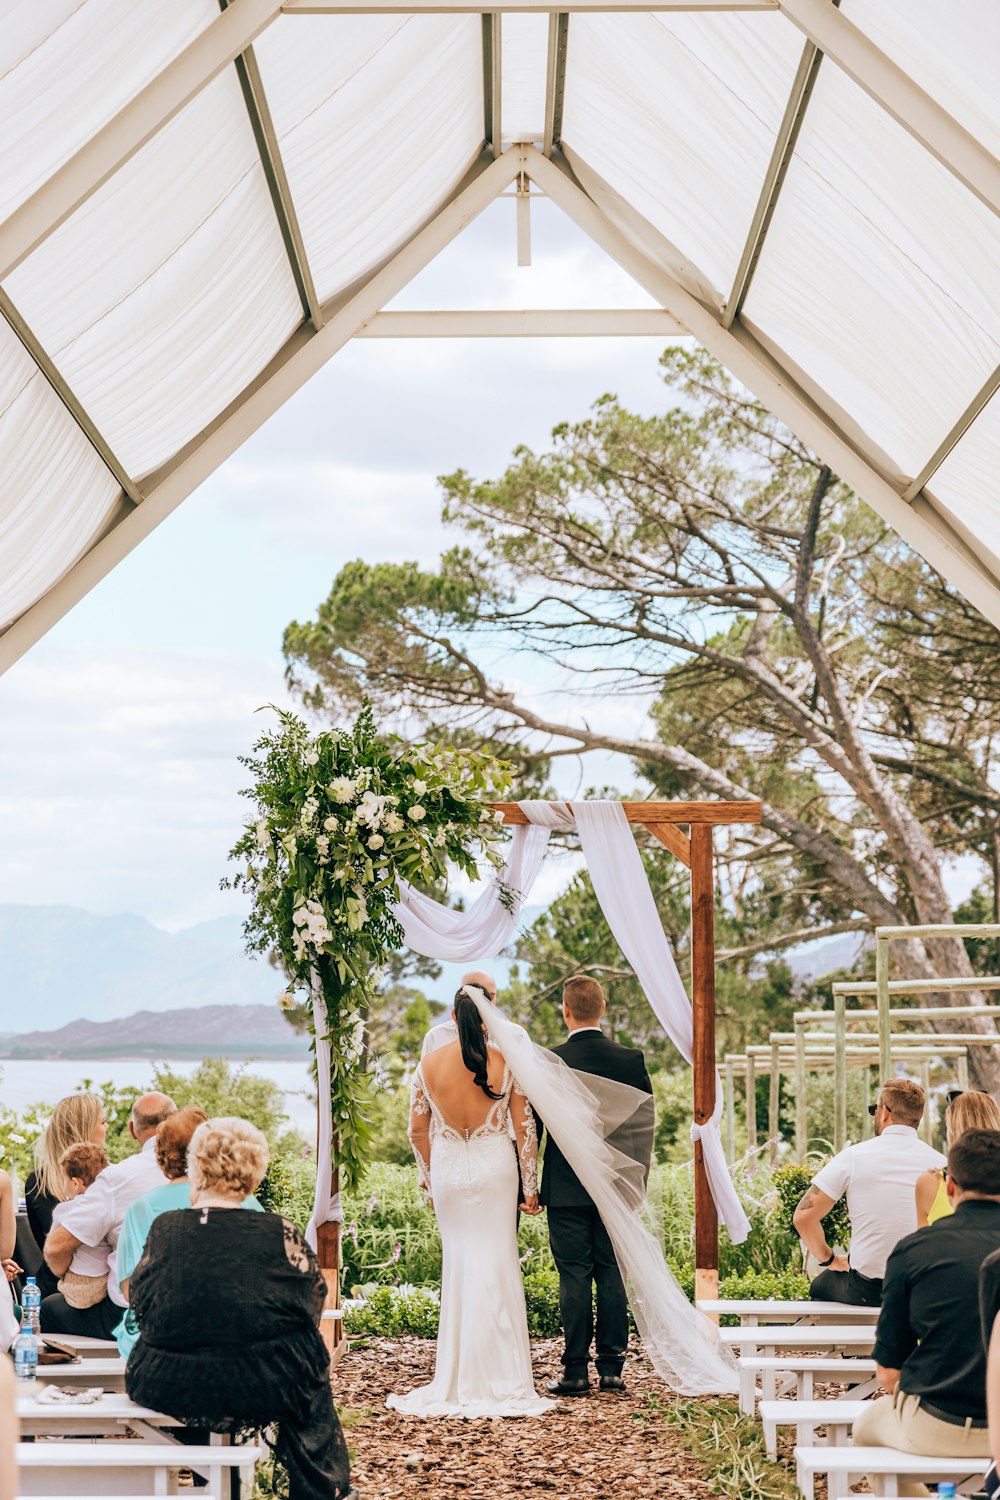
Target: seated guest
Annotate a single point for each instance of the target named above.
(928, 1346)
(96, 1216)
(173, 1138)
(8, 1432)
(970, 1110)
(989, 1310)
(228, 1308)
(879, 1177)
(76, 1119)
(8, 1237)
(86, 1282)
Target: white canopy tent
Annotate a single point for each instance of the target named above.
(201, 203)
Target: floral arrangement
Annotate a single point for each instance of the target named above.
(340, 818)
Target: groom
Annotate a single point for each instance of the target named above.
(580, 1245)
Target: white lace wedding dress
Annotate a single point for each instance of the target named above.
(483, 1366)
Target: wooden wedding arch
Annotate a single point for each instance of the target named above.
(666, 821)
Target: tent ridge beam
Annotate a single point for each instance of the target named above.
(269, 149)
(492, 80)
(532, 322)
(555, 79)
(50, 373)
(774, 179)
(127, 132)
(956, 148)
(305, 352)
(978, 403)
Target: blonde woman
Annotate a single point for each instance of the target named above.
(76, 1119)
(970, 1110)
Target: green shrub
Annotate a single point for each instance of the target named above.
(791, 1182)
(288, 1187)
(392, 1313)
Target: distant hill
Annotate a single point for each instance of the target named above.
(235, 1031)
(58, 963)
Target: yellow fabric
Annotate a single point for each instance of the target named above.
(941, 1207)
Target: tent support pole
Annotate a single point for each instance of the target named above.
(801, 1116)
(774, 1103)
(706, 1224)
(840, 1074)
(751, 1081)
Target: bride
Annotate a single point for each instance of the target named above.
(464, 1101)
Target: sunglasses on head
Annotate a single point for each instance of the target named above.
(954, 1094)
(873, 1108)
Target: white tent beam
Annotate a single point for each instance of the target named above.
(528, 323)
(269, 150)
(119, 140)
(774, 179)
(522, 7)
(307, 351)
(492, 80)
(974, 571)
(982, 397)
(891, 87)
(555, 79)
(67, 396)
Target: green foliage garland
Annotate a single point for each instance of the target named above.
(340, 818)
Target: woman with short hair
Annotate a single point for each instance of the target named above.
(228, 1308)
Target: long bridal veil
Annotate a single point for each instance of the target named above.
(597, 1125)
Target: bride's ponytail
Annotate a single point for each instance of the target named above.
(473, 1042)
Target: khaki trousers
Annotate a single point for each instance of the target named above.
(898, 1422)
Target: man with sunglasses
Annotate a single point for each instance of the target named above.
(879, 1178)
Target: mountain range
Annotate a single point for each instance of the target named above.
(235, 1031)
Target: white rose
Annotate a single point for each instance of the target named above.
(312, 756)
(330, 824)
(376, 841)
(420, 788)
(416, 813)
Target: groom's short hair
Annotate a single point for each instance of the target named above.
(583, 998)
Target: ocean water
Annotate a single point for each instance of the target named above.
(25, 1081)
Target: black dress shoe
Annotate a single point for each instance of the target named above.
(612, 1383)
(568, 1387)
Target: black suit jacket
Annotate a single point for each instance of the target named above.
(592, 1052)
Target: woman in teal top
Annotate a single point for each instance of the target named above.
(172, 1140)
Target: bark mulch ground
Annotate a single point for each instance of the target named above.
(591, 1448)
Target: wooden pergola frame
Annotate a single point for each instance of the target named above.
(666, 821)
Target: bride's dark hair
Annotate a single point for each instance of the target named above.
(473, 1041)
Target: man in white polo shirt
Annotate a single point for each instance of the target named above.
(96, 1216)
(879, 1177)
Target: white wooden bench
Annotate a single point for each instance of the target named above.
(753, 1311)
(884, 1466)
(107, 1373)
(86, 1347)
(838, 1417)
(124, 1468)
(794, 1374)
(762, 1342)
(109, 1415)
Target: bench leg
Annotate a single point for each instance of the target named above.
(770, 1438)
(806, 1385)
(748, 1389)
(805, 1479)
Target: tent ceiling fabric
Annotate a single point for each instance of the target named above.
(174, 276)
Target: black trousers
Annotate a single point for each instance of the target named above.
(585, 1258)
(97, 1322)
(846, 1286)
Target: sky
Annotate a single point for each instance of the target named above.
(120, 730)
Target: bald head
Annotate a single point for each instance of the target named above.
(148, 1112)
(484, 980)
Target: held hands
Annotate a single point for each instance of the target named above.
(530, 1205)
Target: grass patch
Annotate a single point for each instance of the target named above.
(728, 1448)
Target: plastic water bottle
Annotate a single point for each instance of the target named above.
(26, 1355)
(946, 1490)
(31, 1303)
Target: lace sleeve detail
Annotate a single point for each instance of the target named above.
(523, 1118)
(419, 1130)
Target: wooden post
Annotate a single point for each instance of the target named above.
(706, 1224)
(774, 1102)
(328, 1253)
(751, 1080)
(839, 1074)
(927, 1122)
(801, 1115)
(963, 1071)
(882, 1002)
(729, 1111)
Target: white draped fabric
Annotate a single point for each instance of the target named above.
(622, 889)
(326, 1203)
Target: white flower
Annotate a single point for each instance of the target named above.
(312, 756)
(287, 1001)
(376, 841)
(393, 823)
(17, 1139)
(263, 836)
(416, 813)
(371, 810)
(498, 816)
(310, 808)
(331, 824)
(343, 789)
(440, 839)
(323, 848)
(419, 788)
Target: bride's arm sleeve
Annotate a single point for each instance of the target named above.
(523, 1117)
(419, 1130)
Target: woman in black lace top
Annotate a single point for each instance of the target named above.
(228, 1305)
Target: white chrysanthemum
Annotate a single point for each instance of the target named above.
(287, 1001)
(393, 823)
(343, 789)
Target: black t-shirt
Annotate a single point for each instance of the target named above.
(989, 1296)
(40, 1207)
(929, 1326)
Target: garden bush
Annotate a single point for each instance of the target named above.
(791, 1182)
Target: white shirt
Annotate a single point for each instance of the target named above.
(439, 1036)
(98, 1213)
(88, 1260)
(879, 1177)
